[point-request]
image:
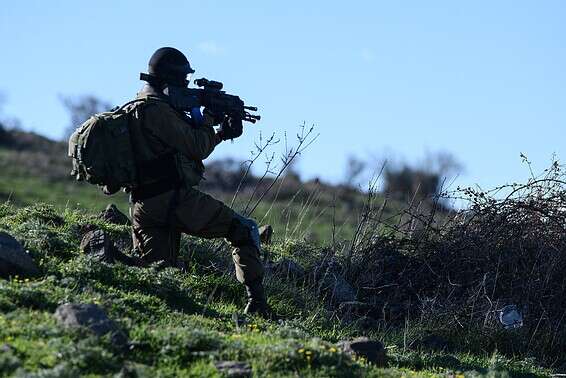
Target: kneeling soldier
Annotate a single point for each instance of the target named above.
(169, 147)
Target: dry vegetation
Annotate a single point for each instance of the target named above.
(455, 272)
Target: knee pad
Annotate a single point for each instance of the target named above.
(244, 231)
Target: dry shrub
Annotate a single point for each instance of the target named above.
(507, 247)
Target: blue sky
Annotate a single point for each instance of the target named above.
(483, 80)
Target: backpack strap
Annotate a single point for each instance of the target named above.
(138, 100)
(121, 108)
(162, 170)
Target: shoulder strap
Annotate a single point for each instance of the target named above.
(139, 100)
(121, 108)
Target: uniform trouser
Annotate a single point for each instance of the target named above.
(159, 221)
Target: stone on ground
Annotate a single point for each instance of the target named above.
(334, 284)
(92, 317)
(13, 258)
(372, 350)
(287, 268)
(234, 369)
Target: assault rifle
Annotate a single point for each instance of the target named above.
(211, 96)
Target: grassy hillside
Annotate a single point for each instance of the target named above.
(180, 324)
(429, 286)
(35, 169)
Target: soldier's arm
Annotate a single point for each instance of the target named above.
(172, 129)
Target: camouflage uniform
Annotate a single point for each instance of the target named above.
(167, 144)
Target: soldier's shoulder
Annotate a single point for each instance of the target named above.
(154, 104)
(155, 101)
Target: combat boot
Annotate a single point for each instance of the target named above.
(257, 303)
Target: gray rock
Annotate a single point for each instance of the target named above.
(339, 289)
(234, 368)
(372, 350)
(330, 278)
(265, 234)
(14, 259)
(511, 317)
(112, 215)
(287, 268)
(92, 317)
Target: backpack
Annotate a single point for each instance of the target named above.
(102, 152)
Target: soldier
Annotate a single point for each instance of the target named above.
(169, 148)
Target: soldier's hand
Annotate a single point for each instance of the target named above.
(230, 128)
(211, 118)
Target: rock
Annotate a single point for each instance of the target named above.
(112, 215)
(511, 317)
(339, 289)
(431, 341)
(372, 350)
(91, 317)
(265, 234)
(234, 368)
(342, 291)
(330, 279)
(287, 268)
(14, 259)
(98, 243)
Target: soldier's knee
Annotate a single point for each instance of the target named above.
(244, 231)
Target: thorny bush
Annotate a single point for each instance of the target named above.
(456, 271)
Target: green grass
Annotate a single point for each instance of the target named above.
(30, 177)
(23, 189)
(290, 219)
(179, 323)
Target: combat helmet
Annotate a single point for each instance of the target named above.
(169, 66)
